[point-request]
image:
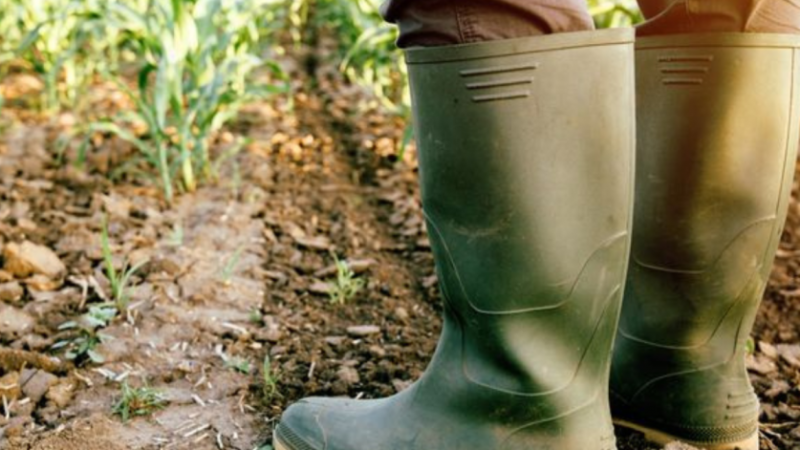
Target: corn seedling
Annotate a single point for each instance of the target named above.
(82, 347)
(240, 365)
(176, 237)
(346, 285)
(230, 266)
(270, 382)
(118, 280)
(139, 401)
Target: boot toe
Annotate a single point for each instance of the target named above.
(300, 427)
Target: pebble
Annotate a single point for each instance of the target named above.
(14, 322)
(358, 266)
(61, 393)
(9, 386)
(768, 350)
(760, 364)
(401, 314)
(363, 330)
(314, 243)
(11, 292)
(348, 375)
(38, 385)
(320, 288)
(25, 259)
(334, 340)
(42, 283)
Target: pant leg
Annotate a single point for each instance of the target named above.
(447, 22)
(696, 16)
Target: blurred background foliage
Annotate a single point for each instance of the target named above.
(188, 66)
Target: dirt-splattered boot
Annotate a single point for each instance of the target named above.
(717, 139)
(526, 154)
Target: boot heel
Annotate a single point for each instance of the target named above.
(660, 438)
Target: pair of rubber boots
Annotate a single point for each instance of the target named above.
(527, 157)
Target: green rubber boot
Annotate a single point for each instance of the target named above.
(526, 157)
(717, 139)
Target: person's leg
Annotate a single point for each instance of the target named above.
(447, 22)
(526, 171)
(717, 118)
(702, 16)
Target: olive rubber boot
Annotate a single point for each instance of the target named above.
(717, 138)
(526, 160)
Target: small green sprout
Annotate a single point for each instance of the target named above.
(83, 346)
(230, 266)
(139, 401)
(238, 364)
(346, 285)
(119, 280)
(270, 387)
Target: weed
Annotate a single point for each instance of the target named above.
(139, 401)
(82, 347)
(118, 280)
(346, 285)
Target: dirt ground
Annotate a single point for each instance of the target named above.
(237, 273)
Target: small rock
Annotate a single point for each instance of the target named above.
(277, 350)
(14, 322)
(320, 288)
(116, 206)
(38, 385)
(401, 314)
(768, 350)
(777, 388)
(16, 427)
(363, 330)
(789, 353)
(11, 292)
(760, 364)
(271, 332)
(26, 259)
(42, 283)
(679, 446)
(400, 385)
(377, 351)
(348, 375)
(334, 340)
(9, 386)
(358, 266)
(61, 393)
(314, 243)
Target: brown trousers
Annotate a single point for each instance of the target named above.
(445, 22)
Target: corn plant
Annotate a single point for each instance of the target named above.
(197, 62)
(63, 41)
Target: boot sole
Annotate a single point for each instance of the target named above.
(660, 438)
(654, 436)
(277, 442)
